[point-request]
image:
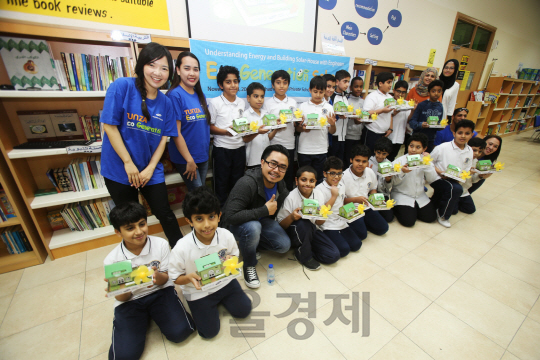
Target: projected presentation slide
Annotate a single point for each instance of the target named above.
(288, 24)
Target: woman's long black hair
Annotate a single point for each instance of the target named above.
(493, 157)
(150, 53)
(198, 89)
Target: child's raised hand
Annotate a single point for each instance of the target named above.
(362, 200)
(334, 191)
(194, 278)
(332, 119)
(406, 169)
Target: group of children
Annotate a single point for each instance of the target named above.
(348, 175)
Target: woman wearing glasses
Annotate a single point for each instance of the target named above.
(450, 89)
(447, 134)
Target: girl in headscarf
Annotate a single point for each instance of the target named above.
(451, 87)
(420, 92)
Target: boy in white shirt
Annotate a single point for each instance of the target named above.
(374, 104)
(333, 190)
(330, 87)
(310, 244)
(400, 120)
(158, 301)
(354, 126)
(360, 181)
(412, 203)
(256, 143)
(447, 191)
(337, 145)
(285, 136)
(383, 146)
(313, 144)
(202, 211)
(228, 152)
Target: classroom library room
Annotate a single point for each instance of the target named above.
(269, 179)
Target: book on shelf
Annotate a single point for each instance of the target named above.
(6, 210)
(15, 240)
(489, 131)
(85, 72)
(56, 220)
(51, 125)
(87, 215)
(80, 175)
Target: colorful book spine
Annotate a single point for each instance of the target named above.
(76, 74)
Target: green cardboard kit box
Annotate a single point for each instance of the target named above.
(312, 120)
(310, 207)
(240, 125)
(453, 170)
(385, 167)
(340, 106)
(414, 160)
(348, 211)
(483, 165)
(433, 120)
(376, 199)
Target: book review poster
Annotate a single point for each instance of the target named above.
(149, 14)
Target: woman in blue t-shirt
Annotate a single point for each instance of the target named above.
(189, 150)
(137, 119)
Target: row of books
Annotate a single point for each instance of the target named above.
(83, 72)
(6, 210)
(82, 174)
(15, 240)
(84, 215)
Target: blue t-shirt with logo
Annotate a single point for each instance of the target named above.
(194, 126)
(141, 136)
(269, 192)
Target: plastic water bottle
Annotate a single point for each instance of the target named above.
(270, 276)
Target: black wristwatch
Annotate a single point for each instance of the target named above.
(392, 130)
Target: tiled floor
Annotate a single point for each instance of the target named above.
(468, 292)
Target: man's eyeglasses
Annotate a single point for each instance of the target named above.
(273, 165)
(400, 92)
(335, 174)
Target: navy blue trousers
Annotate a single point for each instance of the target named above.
(373, 222)
(465, 205)
(205, 311)
(309, 242)
(131, 321)
(317, 161)
(346, 240)
(446, 194)
(407, 215)
(229, 166)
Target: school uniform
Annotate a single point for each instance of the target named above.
(159, 303)
(447, 191)
(337, 147)
(228, 153)
(361, 186)
(388, 215)
(196, 133)
(354, 131)
(336, 228)
(255, 147)
(141, 137)
(423, 111)
(466, 203)
(306, 239)
(313, 145)
(286, 136)
(375, 130)
(399, 124)
(204, 303)
(407, 190)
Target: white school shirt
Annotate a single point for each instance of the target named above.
(314, 142)
(189, 248)
(359, 185)
(341, 121)
(400, 127)
(223, 112)
(449, 100)
(272, 106)
(354, 130)
(449, 153)
(255, 147)
(154, 253)
(382, 185)
(375, 101)
(472, 180)
(294, 200)
(408, 189)
(334, 222)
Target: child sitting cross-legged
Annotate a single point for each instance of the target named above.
(158, 301)
(412, 203)
(311, 245)
(202, 212)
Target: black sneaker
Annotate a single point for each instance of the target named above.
(312, 264)
(251, 278)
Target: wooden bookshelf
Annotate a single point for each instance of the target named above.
(512, 102)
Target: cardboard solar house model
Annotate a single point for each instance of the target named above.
(390, 101)
(348, 211)
(433, 120)
(118, 273)
(288, 113)
(312, 120)
(483, 165)
(270, 120)
(340, 106)
(376, 199)
(385, 167)
(310, 207)
(414, 160)
(365, 115)
(240, 125)
(209, 268)
(453, 170)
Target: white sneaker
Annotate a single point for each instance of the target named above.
(443, 221)
(251, 278)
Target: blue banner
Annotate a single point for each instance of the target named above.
(256, 64)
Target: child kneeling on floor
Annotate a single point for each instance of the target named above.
(203, 212)
(159, 301)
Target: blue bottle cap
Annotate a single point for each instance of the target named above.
(271, 266)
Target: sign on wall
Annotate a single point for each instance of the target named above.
(150, 14)
(256, 64)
